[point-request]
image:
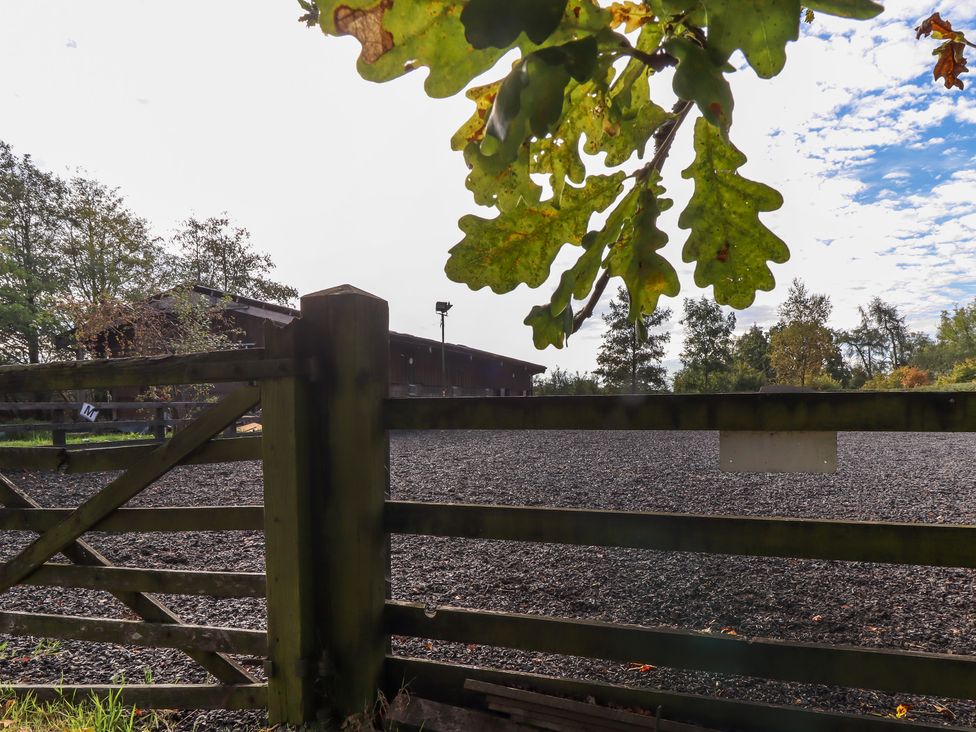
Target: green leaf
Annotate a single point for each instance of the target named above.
(497, 23)
(759, 28)
(634, 256)
(473, 130)
(495, 184)
(856, 9)
(520, 245)
(398, 37)
(549, 329)
(577, 281)
(699, 78)
(728, 242)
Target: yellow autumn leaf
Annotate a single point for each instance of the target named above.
(630, 14)
(901, 711)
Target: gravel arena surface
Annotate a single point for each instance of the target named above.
(889, 477)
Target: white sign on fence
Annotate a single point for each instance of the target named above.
(88, 412)
(778, 452)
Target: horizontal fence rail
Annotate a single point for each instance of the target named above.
(127, 425)
(136, 633)
(153, 696)
(158, 581)
(944, 545)
(97, 459)
(123, 520)
(865, 668)
(840, 411)
(445, 682)
(194, 368)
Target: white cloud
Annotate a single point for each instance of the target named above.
(346, 181)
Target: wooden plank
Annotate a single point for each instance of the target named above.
(159, 581)
(289, 448)
(939, 545)
(841, 411)
(586, 715)
(147, 405)
(136, 633)
(127, 486)
(124, 520)
(152, 696)
(413, 714)
(106, 426)
(350, 329)
(867, 668)
(445, 682)
(194, 368)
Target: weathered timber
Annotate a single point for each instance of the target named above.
(136, 633)
(555, 712)
(194, 368)
(223, 668)
(153, 696)
(125, 520)
(867, 668)
(128, 485)
(445, 682)
(121, 457)
(147, 405)
(841, 411)
(67, 427)
(288, 454)
(159, 581)
(408, 713)
(939, 545)
(350, 329)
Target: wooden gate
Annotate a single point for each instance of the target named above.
(61, 531)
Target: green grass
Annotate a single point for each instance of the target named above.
(43, 439)
(27, 714)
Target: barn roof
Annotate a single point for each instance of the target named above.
(283, 314)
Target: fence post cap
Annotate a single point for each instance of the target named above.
(340, 290)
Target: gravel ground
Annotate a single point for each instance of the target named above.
(897, 477)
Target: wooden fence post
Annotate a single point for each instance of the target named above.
(287, 440)
(159, 429)
(326, 479)
(58, 436)
(350, 333)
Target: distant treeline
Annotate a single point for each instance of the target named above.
(801, 349)
(75, 260)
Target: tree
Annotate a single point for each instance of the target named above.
(559, 382)
(31, 263)
(630, 355)
(109, 253)
(581, 83)
(708, 346)
(801, 345)
(215, 254)
(752, 351)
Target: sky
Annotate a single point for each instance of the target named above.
(196, 108)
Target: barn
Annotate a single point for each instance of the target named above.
(415, 363)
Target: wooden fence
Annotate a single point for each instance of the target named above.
(60, 425)
(327, 518)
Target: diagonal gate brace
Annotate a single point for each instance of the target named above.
(64, 537)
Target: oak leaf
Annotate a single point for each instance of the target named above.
(952, 60)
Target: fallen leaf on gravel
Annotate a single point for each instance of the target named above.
(945, 712)
(901, 711)
(729, 630)
(642, 667)
(817, 618)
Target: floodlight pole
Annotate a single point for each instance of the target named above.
(442, 307)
